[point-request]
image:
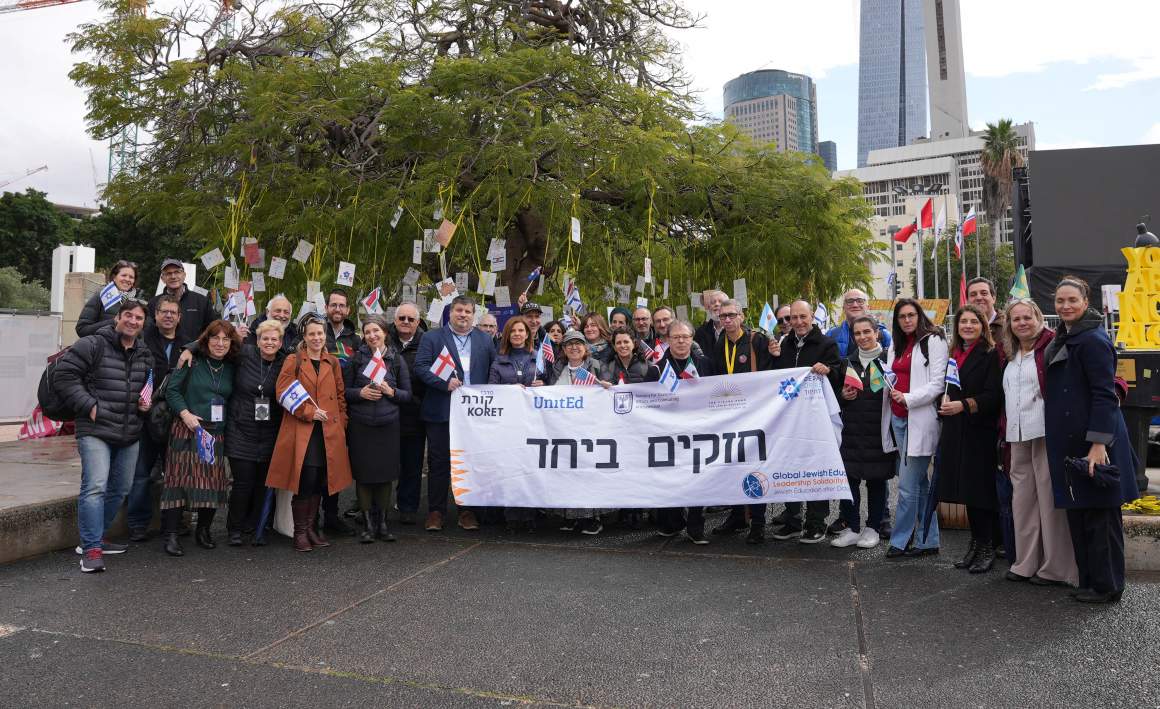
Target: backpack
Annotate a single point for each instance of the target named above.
(53, 404)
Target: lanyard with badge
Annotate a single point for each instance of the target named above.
(463, 344)
(217, 405)
(261, 402)
(730, 359)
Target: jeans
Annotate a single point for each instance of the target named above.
(913, 496)
(410, 471)
(106, 475)
(140, 507)
(850, 511)
(816, 513)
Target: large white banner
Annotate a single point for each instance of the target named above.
(746, 438)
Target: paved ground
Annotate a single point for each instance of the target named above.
(624, 619)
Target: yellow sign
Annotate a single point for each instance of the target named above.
(1139, 327)
(883, 309)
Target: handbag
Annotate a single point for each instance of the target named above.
(160, 417)
(1100, 490)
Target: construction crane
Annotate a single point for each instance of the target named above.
(33, 171)
(32, 5)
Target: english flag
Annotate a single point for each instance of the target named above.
(376, 369)
(903, 235)
(927, 215)
(444, 365)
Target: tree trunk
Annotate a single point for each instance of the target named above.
(527, 241)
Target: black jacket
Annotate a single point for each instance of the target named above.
(513, 368)
(94, 316)
(968, 444)
(862, 428)
(113, 385)
(156, 342)
(637, 371)
(290, 335)
(348, 337)
(412, 425)
(752, 354)
(703, 365)
(196, 314)
(385, 410)
(816, 348)
(706, 336)
(246, 437)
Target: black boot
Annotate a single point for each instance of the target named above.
(382, 532)
(984, 560)
(172, 546)
(367, 534)
(969, 557)
(204, 538)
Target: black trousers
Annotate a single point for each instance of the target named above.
(247, 494)
(982, 522)
(438, 466)
(1097, 536)
(816, 513)
(312, 482)
(674, 519)
(756, 514)
(410, 471)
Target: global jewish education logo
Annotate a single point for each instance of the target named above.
(755, 485)
(789, 389)
(622, 402)
(724, 390)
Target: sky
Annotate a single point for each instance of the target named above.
(1087, 74)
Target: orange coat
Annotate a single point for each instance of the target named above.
(327, 391)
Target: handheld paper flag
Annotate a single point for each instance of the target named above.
(147, 390)
(373, 301)
(852, 379)
(669, 378)
(205, 446)
(877, 381)
(768, 319)
(545, 355)
(582, 377)
(444, 365)
(953, 373)
(691, 371)
(1020, 288)
(376, 369)
(110, 295)
(294, 396)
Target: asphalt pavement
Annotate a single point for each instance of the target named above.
(623, 619)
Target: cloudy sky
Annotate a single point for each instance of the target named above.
(1087, 74)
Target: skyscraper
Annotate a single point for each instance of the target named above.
(774, 106)
(891, 75)
(828, 150)
(944, 69)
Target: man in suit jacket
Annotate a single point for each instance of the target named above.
(473, 352)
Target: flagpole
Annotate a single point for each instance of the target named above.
(921, 288)
(935, 250)
(978, 250)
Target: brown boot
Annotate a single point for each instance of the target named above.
(312, 531)
(300, 508)
(467, 520)
(434, 521)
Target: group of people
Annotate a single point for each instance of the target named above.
(1002, 404)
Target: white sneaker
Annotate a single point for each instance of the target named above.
(869, 538)
(846, 538)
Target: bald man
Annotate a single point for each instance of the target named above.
(281, 309)
(853, 307)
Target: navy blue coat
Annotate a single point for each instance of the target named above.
(513, 368)
(382, 411)
(436, 406)
(1081, 409)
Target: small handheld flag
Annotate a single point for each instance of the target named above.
(768, 319)
(147, 390)
(822, 316)
(852, 379)
(231, 309)
(572, 299)
(444, 365)
(1020, 289)
(373, 301)
(110, 296)
(532, 277)
(545, 355)
(953, 373)
(890, 378)
(669, 379)
(620, 378)
(653, 355)
(690, 371)
(205, 442)
(294, 397)
(341, 350)
(376, 369)
(582, 377)
(877, 381)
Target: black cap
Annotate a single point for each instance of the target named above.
(172, 262)
(531, 307)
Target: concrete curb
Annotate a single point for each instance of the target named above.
(1142, 542)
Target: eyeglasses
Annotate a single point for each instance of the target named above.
(783, 320)
(855, 301)
(907, 316)
(727, 316)
(680, 338)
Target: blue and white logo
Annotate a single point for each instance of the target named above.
(755, 485)
(622, 402)
(789, 389)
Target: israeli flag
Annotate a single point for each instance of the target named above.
(822, 317)
(205, 451)
(110, 296)
(953, 373)
(669, 378)
(293, 398)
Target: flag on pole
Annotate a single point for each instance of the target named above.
(652, 355)
(545, 355)
(927, 214)
(110, 295)
(582, 377)
(768, 319)
(1020, 288)
(962, 289)
(374, 301)
(247, 290)
(232, 309)
(889, 377)
(852, 379)
(376, 369)
(822, 317)
(147, 390)
(572, 298)
(953, 373)
(959, 242)
(294, 397)
(969, 224)
(691, 371)
(669, 378)
(903, 235)
(444, 365)
(877, 381)
(940, 224)
(620, 377)
(535, 274)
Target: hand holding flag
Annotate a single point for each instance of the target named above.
(205, 446)
(952, 375)
(532, 277)
(444, 365)
(669, 379)
(768, 319)
(110, 296)
(376, 369)
(582, 377)
(294, 397)
(147, 392)
(852, 379)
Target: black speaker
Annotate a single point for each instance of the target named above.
(1021, 217)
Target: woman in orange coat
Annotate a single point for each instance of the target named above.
(310, 457)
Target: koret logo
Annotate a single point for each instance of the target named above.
(480, 405)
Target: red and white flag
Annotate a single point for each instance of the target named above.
(444, 365)
(376, 369)
(927, 215)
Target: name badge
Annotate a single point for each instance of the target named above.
(261, 409)
(217, 410)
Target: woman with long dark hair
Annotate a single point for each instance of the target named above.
(95, 314)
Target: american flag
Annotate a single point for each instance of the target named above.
(147, 390)
(545, 355)
(651, 354)
(582, 377)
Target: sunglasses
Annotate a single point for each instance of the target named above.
(405, 318)
(783, 320)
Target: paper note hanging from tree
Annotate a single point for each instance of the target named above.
(259, 281)
(665, 293)
(435, 313)
(408, 293)
(609, 294)
(682, 312)
(548, 314)
(437, 213)
(503, 298)
(302, 251)
(648, 270)
(320, 302)
(447, 289)
(487, 283)
(398, 215)
(461, 281)
(417, 252)
(499, 262)
(252, 253)
(411, 277)
(444, 233)
(642, 302)
(576, 230)
(623, 293)
(313, 288)
(430, 246)
(212, 259)
(345, 274)
(740, 294)
(277, 267)
(230, 279)
(540, 286)
(640, 284)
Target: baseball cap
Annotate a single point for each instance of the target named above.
(531, 307)
(573, 336)
(172, 262)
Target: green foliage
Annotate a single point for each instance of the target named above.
(305, 124)
(19, 294)
(30, 228)
(978, 251)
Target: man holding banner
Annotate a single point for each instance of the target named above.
(447, 359)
